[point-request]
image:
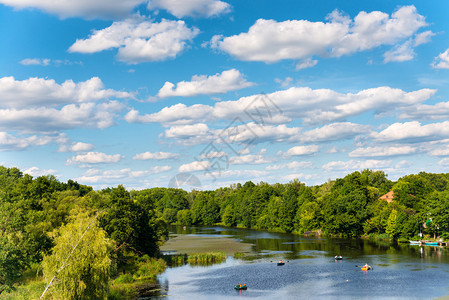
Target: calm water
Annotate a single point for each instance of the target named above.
(400, 271)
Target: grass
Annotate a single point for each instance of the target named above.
(138, 277)
(206, 258)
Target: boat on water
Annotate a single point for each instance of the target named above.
(431, 244)
(366, 268)
(338, 257)
(281, 263)
(415, 242)
(240, 287)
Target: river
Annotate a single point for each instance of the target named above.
(399, 271)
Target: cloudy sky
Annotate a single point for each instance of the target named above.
(135, 92)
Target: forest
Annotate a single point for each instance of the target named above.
(83, 241)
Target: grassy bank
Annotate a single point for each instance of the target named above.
(137, 278)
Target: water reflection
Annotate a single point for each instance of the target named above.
(399, 270)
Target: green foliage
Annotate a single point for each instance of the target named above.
(80, 264)
(12, 261)
(128, 224)
(206, 258)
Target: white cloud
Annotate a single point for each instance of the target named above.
(36, 172)
(352, 165)
(253, 174)
(80, 8)
(306, 63)
(423, 38)
(195, 166)
(139, 40)
(76, 147)
(413, 132)
(284, 82)
(312, 106)
(9, 142)
(444, 162)
(271, 41)
(85, 115)
(220, 83)
(177, 114)
(35, 62)
(253, 133)
(442, 60)
(191, 8)
(382, 151)
(333, 132)
(300, 150)
(160, 169)
(94, 158)
(438, 111)
(292, 165)
(400, 53)
(35, 91)
(299, 176)
(155, 155)
(443, 151)
(251, 159)
(121, 175)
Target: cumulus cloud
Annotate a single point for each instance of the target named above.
(353, 165)
(94, 158)
(423, 38)
(413, 132)
(250, 159)
(312, 106)
(400, 53)
(191, 8)
(105, 9)
(177, 114)
(383, 151)
(155, 155)
(139, 40)
(272, 41)
(36, 172)
(292, 165)
(333, 132)
(442, 151)
(300, 150)
(437, 111)
(220, 83)
(35, 92)
(9, 142)
(45, 120)
(195, 166)
(444, 162)
(76, 147)
(306, 63)
(442, 60)
(92, 176)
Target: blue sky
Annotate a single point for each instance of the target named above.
(135, 92)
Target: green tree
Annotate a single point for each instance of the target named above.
(12, 261)
(128, 224)
(80, 264)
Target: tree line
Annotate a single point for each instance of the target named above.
(347, 207)
(83, 237)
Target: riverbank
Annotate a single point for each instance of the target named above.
(189, 244)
